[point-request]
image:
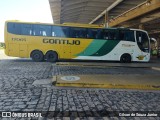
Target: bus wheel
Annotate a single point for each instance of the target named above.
(125, 58)
(37, 56)
(51, 56)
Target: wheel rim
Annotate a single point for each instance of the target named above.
(51, 56)
(36, 56)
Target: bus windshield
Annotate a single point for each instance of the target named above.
(142, 41)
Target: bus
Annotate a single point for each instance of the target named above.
(51, 42)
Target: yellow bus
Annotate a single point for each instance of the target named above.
(52, 42)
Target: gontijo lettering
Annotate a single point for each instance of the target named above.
(61, 41)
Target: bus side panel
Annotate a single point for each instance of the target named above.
(23, 50)
(13, 49)
(81, 49)
(66, 53)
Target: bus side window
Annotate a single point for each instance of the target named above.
(77, 32)
(55, 32)
(113, 35)
(122, 35)
(105, 34)
(26, 29)
(83, 33)
(99, 34)
(45, 30)
(126, 35)
(129, 36)
(65, 31)
(41, 30)
(60, 31)
(110, 34)
(14, 28)
(35, 30)
(92, 33)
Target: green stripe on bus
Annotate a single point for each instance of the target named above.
(106, 48)
(92, 48)
(99, 48)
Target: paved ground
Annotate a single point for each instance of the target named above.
(22, 89)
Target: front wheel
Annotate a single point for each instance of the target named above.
(37, 56)
(125, 58)
(51, 56)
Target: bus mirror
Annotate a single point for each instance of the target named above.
(155, 42)
(153, 39)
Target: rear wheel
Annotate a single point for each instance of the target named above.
(37, 56)
(51, 56)
(125, 58)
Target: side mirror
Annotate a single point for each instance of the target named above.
(153, 39)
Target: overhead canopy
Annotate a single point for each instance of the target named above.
(85, 11)
(143, 14)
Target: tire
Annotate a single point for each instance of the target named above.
(51, 56)
(37, 56)
(125, 58)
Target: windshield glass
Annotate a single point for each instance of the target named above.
(142, 41)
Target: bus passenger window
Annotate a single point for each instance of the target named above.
(77, 32)
(14, 28)
(45, 30)
(55, 31)
(99, 34)
(121, 35)
(126, 35)
(65, 31)
(26, 29)
(42, 30)
(129, 35)
(43, 33)
(110, 34)
(92, 33)
(83, 33)
(105, 35)
(60, 31)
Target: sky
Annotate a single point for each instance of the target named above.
(24, 10)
